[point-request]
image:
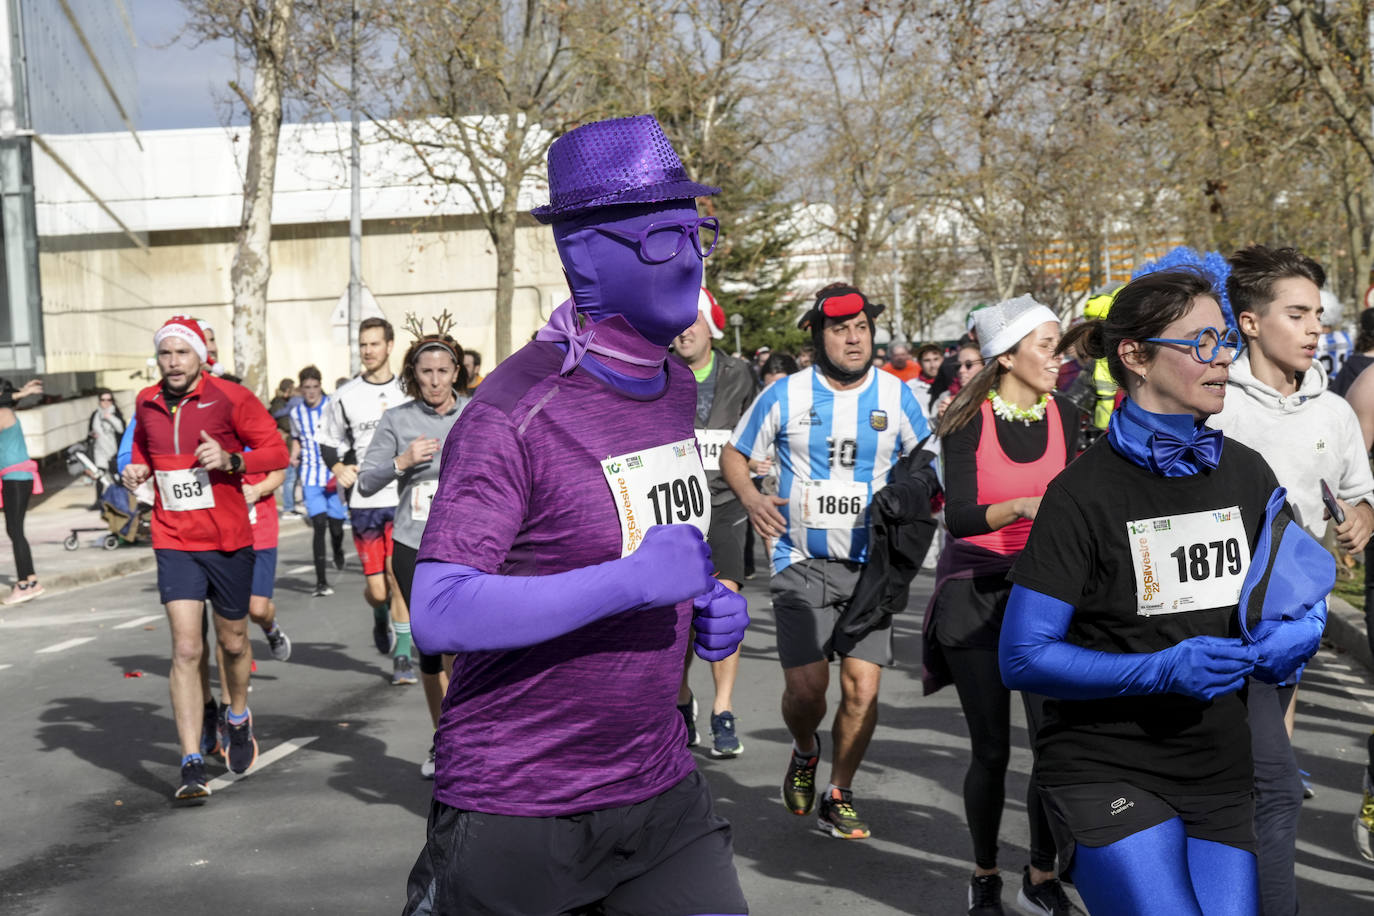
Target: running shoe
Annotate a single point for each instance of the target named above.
(194, 789)
(689, 716)
(24, 591)
(427, 768)
(1044, 899)
(1307, 790)
(322, 590)
(838, 817)
(209, 730)
(985, 896)
(724, 741)
(1364, 821)
(242, 751)
(383, 636)
(402, 672)
(222, 724)
(280, 644)
(799, 785)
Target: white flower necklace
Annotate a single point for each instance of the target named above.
(1011, 412)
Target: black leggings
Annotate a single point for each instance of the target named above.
(987, 710)
(16, 494)
(403, 565)
(335, 537)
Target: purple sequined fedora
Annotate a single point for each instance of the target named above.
(609, 163)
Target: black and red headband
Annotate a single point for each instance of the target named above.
(839, 303)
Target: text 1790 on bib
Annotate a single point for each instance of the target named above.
(664, 485)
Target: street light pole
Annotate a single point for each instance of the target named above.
(355, 207)
(735, 321)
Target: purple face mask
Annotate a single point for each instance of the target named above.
(609, 275)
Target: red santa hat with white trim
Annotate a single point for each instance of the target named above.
(183, 328)
(715, 315)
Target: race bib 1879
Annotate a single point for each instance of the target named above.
(1191, 562)
(185, 489)
(711, 442)
(665, 485)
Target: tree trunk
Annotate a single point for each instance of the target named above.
(252, 266)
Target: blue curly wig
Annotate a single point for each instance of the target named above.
(1213, 265)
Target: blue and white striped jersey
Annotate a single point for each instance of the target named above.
(305, 422)
(834, 450)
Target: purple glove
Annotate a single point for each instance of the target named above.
(671, 564)
(719, 618)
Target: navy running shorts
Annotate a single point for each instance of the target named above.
(666, 856)
(264, 572)
(222, 577)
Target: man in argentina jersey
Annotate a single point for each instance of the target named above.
(322, 502)
(350, 419)
(838, 428)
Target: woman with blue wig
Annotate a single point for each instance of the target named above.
(1145, 596)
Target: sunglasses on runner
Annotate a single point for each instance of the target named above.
(1208, 344)
(660, 242)
(971, 363)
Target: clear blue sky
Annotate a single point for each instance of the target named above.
(178, 85)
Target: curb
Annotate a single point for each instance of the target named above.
(1345, 627)
(102, 572)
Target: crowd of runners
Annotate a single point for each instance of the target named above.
(1131, 515)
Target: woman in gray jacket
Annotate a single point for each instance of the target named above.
(406, 448)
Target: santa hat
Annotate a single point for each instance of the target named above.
(715, 315)
(184, 328)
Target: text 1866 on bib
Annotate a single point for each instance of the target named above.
(665, 485)
(1192, 562)
(184, 490)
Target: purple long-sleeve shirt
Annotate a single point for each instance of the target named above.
(587, 720)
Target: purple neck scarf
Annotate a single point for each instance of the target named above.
(621, 357)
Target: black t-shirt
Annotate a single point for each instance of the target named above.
(1356, 364)
(1021, 442)
(1081, 553)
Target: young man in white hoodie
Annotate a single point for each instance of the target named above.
(1277, 403)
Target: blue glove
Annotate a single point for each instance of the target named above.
(1284, 646)
(1034, 656)
(719, 619)
(456, 608)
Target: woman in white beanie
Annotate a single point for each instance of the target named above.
(1004, 437)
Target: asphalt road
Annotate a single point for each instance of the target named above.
(333, 816)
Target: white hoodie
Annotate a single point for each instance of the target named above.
(1306, 437)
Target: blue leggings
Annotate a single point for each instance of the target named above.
(1162, 870)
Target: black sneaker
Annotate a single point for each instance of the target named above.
(403, 672)
(1044, 899)
(799, 785)
(724, 741)
(242, 751)
(985, 896)
(838, 817)
(383, 637)
(322, 590)
(209, 731)
(193, 789)
(689, 716)
(222, 724)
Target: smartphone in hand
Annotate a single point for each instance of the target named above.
(1329, 500)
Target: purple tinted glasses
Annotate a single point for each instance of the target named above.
(660, 242)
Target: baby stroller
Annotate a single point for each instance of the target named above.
(126, 518)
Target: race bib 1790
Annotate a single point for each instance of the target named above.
(711, 442)
(1191, 562)
(185, 490)
(665, 485)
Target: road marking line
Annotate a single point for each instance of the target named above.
(69, 644)
(264, 759)
(139, 621)
(3, 667)
(300, 569)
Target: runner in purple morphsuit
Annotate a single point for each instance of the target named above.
(564, 566)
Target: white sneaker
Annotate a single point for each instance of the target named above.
(427, 768)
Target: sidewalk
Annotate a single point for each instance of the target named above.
(64, 506)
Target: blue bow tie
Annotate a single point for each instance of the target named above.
(1203, 447)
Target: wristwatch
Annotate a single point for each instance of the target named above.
(397, 469)
(235, 462)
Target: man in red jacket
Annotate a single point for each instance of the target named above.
(195, 436)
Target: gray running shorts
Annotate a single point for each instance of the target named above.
(807, 599)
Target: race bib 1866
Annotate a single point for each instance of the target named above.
(711, 442)
(1191, 562)
(185, 490)
(665, 485)
(834, 503)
